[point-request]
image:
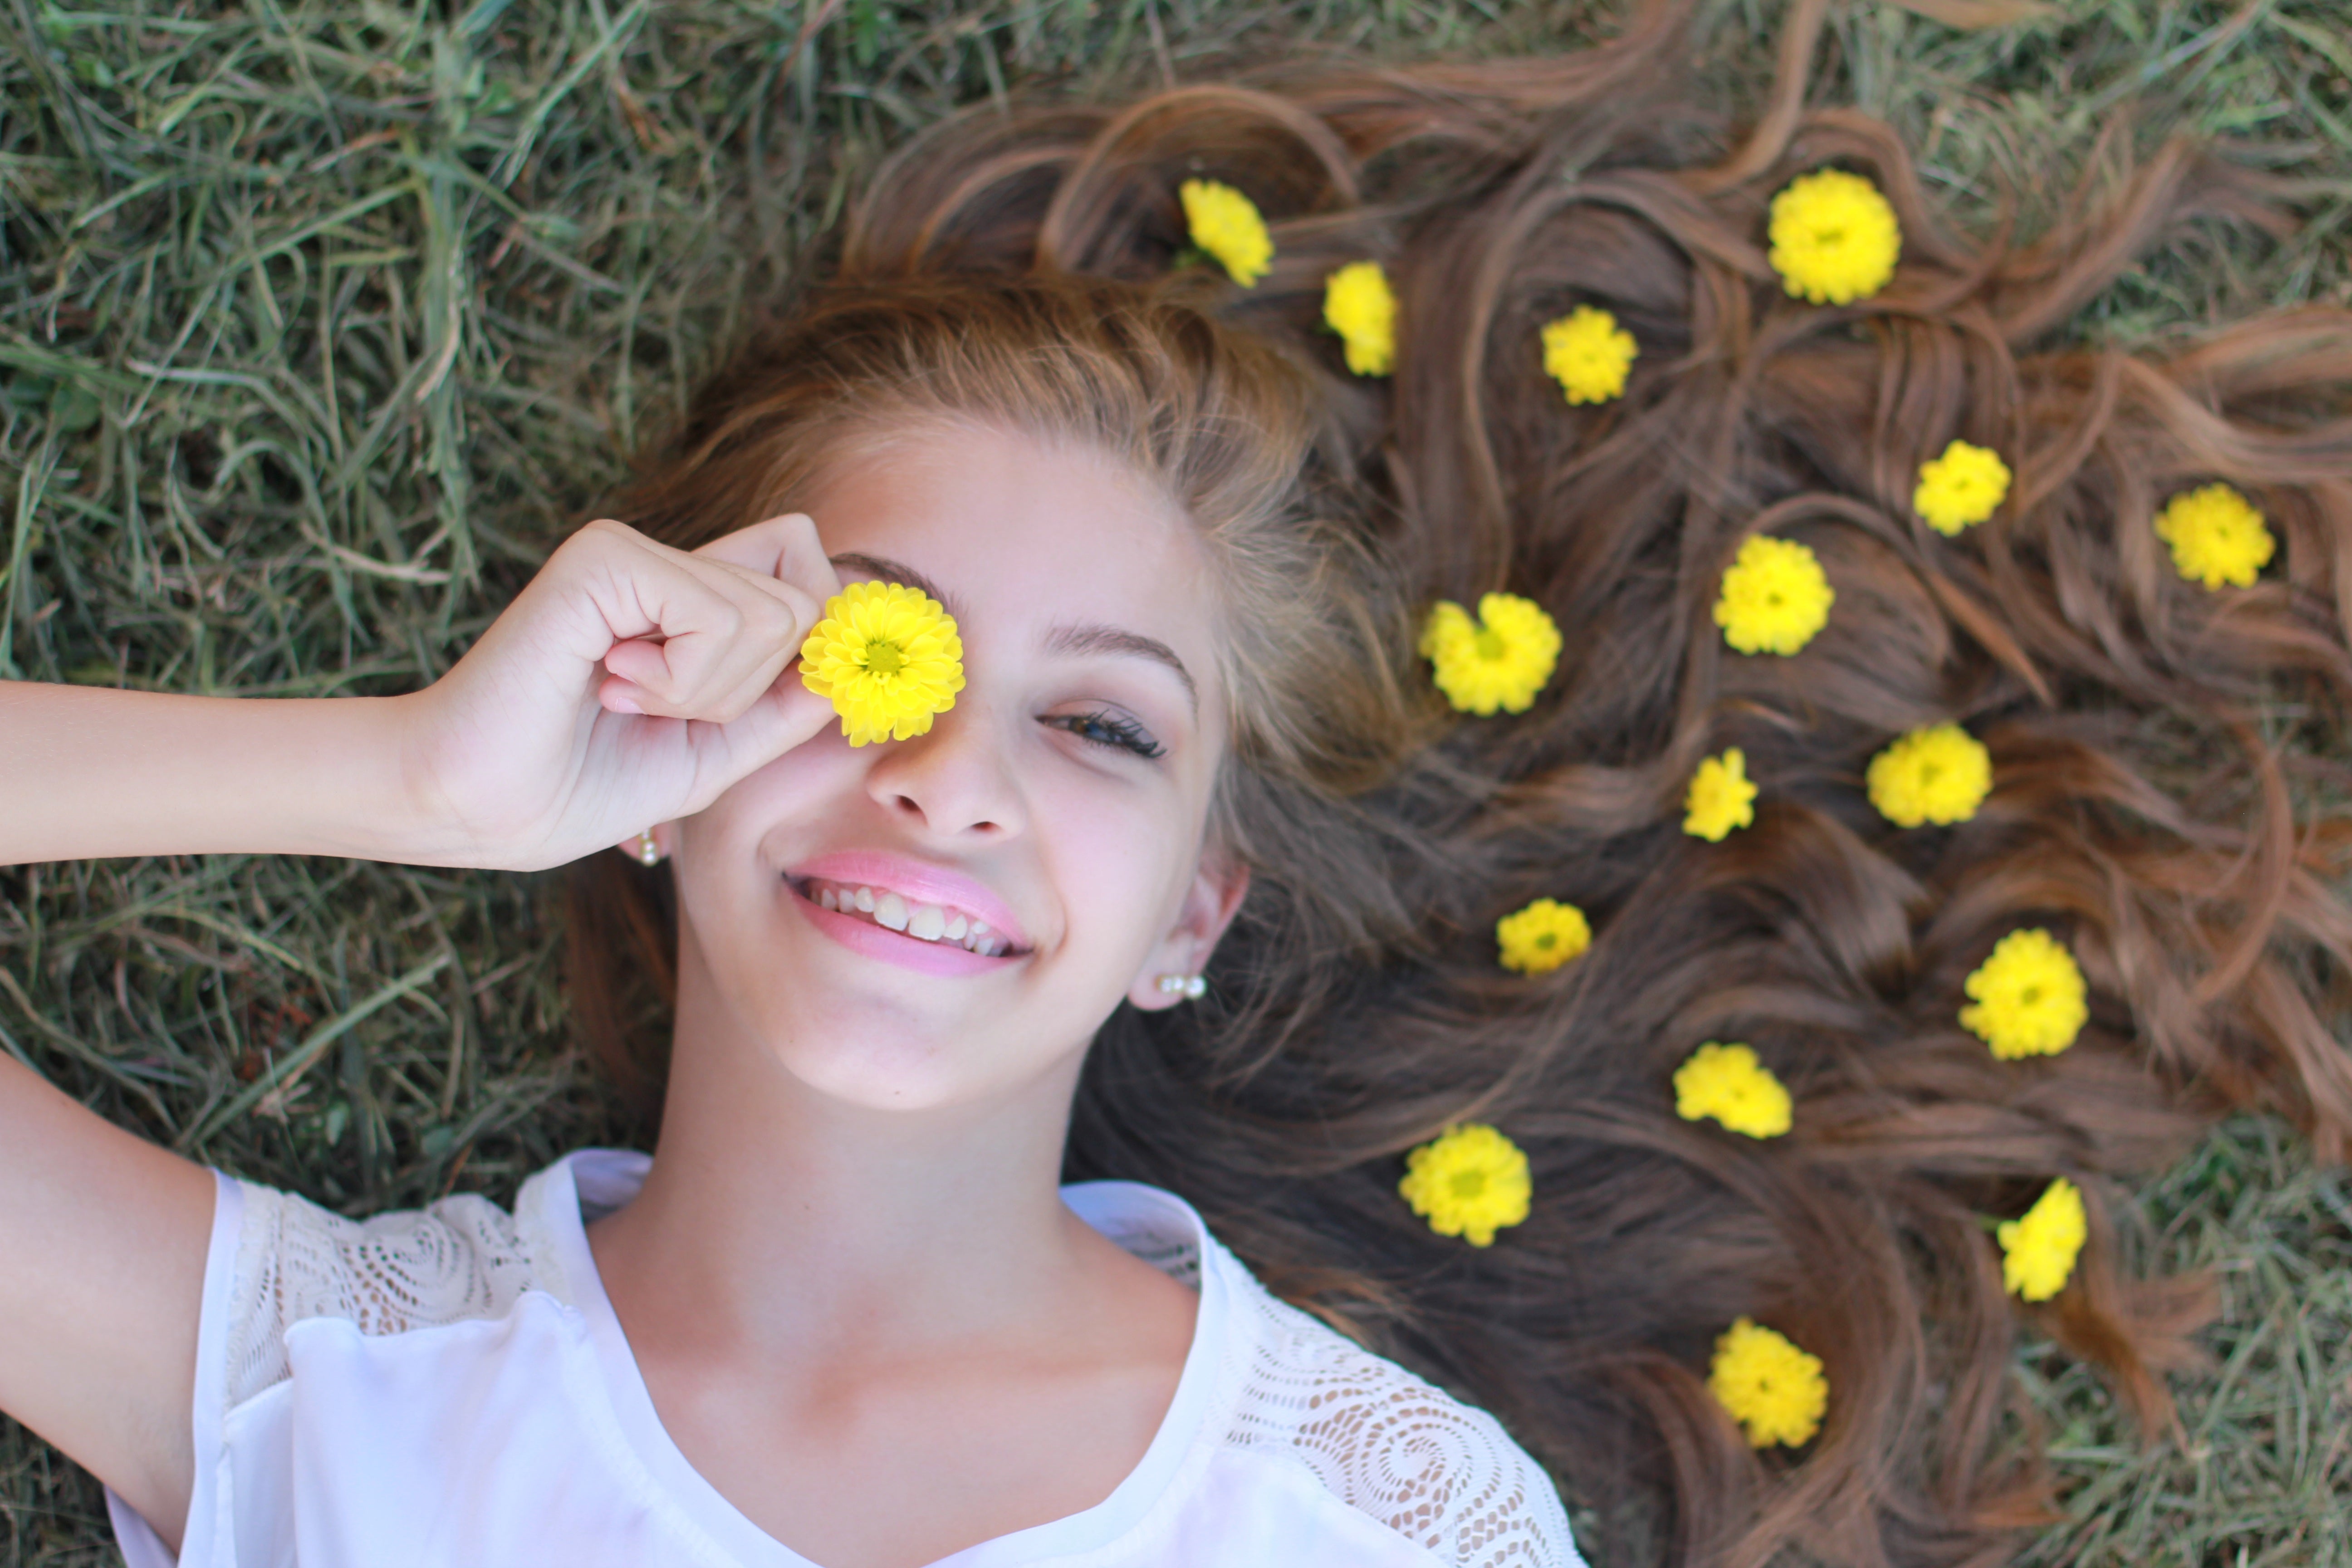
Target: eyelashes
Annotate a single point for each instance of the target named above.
(1106, 729)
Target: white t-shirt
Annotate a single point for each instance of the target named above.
(450, 1387)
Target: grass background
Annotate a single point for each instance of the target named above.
(320, 319)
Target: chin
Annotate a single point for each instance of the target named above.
(895, 1076)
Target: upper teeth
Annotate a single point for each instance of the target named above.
(926, 922)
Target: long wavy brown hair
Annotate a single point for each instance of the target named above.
(2163, 795)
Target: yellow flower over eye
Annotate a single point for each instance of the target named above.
(2217, 536)
(2038, 1248)
(1589, 354)
(889, 657)
(1961, 487)
(2029, 997)
(1729, 1084)
(1469, 1182)
(1543, 936)
(1941, 773)
(1359, 307)
(1224, 223)
(1775, 1390)
(1499, 660)
(1720, 797)
(1775, 597)
(1834, 237)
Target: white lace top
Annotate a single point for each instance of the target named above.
(450, 1387)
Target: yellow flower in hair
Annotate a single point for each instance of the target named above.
(2217, 536)
(1941, 773)
(1358, 305)
(889, 657)
(2029, 997)
(2038, 1249)
(1224, 223)
(1729, 1084)
(1834, 237)
(1543, 936)
(1499, 660)
(1589, 354)
(1961, 487)
(1775, 597)
(1469, 1182)
(1720, 797)
(1775, 1390)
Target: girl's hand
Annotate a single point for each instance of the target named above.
(629, 684)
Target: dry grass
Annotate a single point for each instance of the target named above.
(319, 319)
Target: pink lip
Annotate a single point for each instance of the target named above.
(915, 882)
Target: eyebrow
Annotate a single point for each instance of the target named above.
(1096, 638)
(891, 570)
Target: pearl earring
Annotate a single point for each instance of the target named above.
(1191, 987)
(648, 852)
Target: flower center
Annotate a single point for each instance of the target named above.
(1490, 643)
(1828, 235)
(884, 659)
(1469, 1184)
(2030, 996)
(1549, 939)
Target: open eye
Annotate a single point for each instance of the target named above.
(1106, 729)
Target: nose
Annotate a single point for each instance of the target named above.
(954, 781)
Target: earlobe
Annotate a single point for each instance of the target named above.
(1172, 972)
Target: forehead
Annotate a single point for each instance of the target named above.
(1017, 530)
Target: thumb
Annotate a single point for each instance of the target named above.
(783, 717)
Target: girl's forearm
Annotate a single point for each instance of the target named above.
(87, 773)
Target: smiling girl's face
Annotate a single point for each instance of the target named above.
(1061, 803)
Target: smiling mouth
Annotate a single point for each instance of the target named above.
(942, 925)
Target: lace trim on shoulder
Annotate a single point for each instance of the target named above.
(461, 1257)
(1391, 1445)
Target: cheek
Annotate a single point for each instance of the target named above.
(1120, 861)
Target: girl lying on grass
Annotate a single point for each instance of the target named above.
(1522, 735)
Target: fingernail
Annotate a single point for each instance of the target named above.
(619, 704)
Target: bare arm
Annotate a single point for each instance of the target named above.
(86, 774)
(629, 684)
(104, 1234)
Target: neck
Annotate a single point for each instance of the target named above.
(790, 1218)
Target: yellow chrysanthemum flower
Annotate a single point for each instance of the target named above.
(1469, 1182)
(1775, 597)
(1358, 305)
(2038, 1249)
(2029, 997)
(1961, 487)
(1224, 223)
(1589, 354)
(2217, 536)
(1720, 798)
(1834, 237)
(1543, 936)
(1775, 1390)
(889, 657)
(1729, 1084)
(1939, 773)
(1499, 660)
